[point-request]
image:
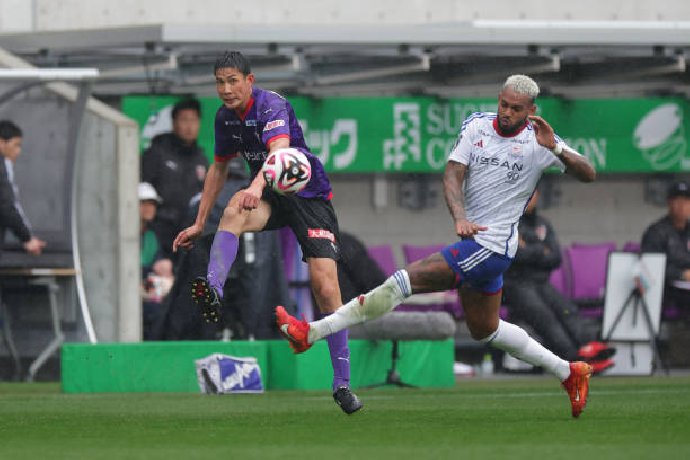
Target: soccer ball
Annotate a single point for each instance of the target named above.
(287, 170)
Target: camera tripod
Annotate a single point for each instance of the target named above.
(636, 301)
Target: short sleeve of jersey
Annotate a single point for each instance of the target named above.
(547, 159)
(226, 147)
(276, 118)
(463, 145)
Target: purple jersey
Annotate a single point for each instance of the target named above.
(268, 117)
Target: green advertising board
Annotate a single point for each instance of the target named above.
(364, 135)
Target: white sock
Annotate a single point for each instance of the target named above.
(514, 340)
(373, 304)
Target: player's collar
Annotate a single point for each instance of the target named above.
(500, 132)
(250, 104)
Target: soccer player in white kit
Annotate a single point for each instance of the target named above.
(490, 176)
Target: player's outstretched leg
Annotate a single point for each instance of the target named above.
(221, 258)
(294, 330)
(573, 376)
(372, 305)
(206, 297)
(207, 292)
(577, 386)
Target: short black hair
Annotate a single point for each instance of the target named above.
(234, 60)
(186, 104)
(8, 130)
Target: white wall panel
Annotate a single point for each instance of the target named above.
(16, 15)
(76, 14)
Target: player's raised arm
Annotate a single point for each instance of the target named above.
(252, 195)
(453, 179)
(577, 165)
(213, 184)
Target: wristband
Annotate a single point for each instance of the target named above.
(557, 150)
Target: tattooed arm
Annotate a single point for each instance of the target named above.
(575, 164)
(453, 179)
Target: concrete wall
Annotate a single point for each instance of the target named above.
(25, 15)
(107, 210)
(108, 222)
(106, 172)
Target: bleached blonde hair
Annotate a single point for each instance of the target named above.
(522, 84)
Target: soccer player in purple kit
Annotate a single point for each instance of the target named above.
(253, 122)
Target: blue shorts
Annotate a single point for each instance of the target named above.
(479, 267)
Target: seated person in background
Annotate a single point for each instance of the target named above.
(12, 215)
(357, 272)
(671, 235)
(156, 271)
(530, 297)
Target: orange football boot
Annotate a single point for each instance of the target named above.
(294, 330)
(577, 386)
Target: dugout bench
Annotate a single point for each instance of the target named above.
(17, 276)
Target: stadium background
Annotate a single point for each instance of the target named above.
(604, 67)
(381, 86)
(623, 207)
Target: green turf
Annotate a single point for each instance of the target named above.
(641, 418)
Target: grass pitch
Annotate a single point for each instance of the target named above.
(528, 417)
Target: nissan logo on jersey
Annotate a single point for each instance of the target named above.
(478, 159)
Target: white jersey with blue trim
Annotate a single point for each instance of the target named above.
(502, 173)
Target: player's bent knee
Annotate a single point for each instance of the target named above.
(231, 212)
(479, 331)
(480, 334)
(326, 292)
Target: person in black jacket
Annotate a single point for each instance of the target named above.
(530, 297)
(11, 213)
(357, 271)
(671, 235)
(254, 286)
(176, 167)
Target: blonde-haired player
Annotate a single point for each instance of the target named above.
(491, 172)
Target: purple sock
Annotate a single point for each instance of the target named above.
(223, 253)
(340, 358)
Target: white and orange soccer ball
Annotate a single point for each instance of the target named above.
(287, 170)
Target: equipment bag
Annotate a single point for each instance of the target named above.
(220, 374)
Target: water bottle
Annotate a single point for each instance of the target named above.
(487, 367)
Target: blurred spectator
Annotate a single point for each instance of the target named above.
(530, 297)
(156, 270)
(255, 285)
(12, 215)
(671, 235)
(176, 166)
(357, 272)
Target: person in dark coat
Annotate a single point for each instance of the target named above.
(255, 284)
(671, 236)
(12, 215)
(357, 272)
(531, 298)
(175, 166)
